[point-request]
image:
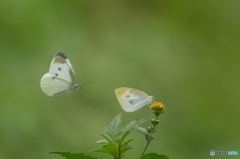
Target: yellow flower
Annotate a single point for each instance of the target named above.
(157, 107)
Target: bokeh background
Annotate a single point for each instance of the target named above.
(184, 53)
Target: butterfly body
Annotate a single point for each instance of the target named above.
(61, 77)
(132, 99)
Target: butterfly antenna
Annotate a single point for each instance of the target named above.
(84, 84)
(158, 93)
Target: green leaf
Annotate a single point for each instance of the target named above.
(141, 130)
(69, 155)
(126, 147)
(155, 156)
(112, 126)
(132, 125)
(102, 151)
(113, 144)
(123, 147)
(103, 141)
(120, 140)
(106, 138)
(110, 148)
(125, 135)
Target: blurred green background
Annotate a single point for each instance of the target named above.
(188, 49)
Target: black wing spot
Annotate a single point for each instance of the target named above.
(59, 68)
(127, 96)
(56, 74)
(131, 101)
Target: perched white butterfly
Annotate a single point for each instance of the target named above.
(61, 77)
(132, 99)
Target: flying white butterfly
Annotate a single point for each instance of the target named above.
(61, 77)
(132, 99)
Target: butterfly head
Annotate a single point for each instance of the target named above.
(150, 100)
(76, 86)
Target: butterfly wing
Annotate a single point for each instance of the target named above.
(132, 99)
(62, 68)
(53, 86)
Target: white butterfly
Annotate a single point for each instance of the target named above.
(132, 99)
(61, 77)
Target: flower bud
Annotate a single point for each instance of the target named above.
(149, 129)
(154, 121)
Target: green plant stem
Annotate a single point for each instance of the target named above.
(146, 146)
(149, 139)
(119, 157)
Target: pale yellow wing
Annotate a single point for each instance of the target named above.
(132, 99)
